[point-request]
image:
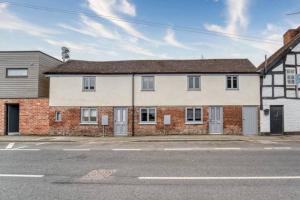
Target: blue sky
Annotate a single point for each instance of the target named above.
(108, 38)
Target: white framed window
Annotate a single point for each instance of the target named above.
(89, 83)
(193, 115)
(194, 82)
(16, 72)
(232, 82)
(58, 117)
(148, 83)
(89, 115)
(290, 76)
(148, 115)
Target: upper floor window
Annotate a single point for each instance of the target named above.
(89, 83)
(290, 76)
(194, 82)
(16, 72)
(193, 115)
(148, 115)
(148, 83)
(89, 115)
(232, 82)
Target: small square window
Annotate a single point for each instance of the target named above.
(148, 115)
(89, 115)
(193, 115)
(290, 76)
(58, 117)
(148, 83)
(232, 82)
(194, 82)
(89, 83)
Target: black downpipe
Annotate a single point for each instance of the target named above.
(132, 112)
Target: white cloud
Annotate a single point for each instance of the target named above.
(11, 22)
(236, 17)
(92, 28)
(171, 40)
(112, 11)
(72, 45)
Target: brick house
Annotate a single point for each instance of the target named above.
(24, 92)
(151, 97)
(280, 95)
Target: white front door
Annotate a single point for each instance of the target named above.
(120, 121)
(215, 120)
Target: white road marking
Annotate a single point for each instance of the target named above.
(19, 149)
(76, 149)
(200, 149)
(126, 149)
(41, 143)
(10, 145)
(21, 175)
(222, 178)
(282, 148)
(228, 148)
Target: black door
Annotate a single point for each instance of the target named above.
(12, 122)
(276, 119)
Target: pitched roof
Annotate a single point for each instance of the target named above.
(280, 53)
(155, 66)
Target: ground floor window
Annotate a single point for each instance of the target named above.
(148, 115)
(194, 115)
(58, 117)
(89, 115)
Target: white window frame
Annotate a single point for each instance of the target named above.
(58, 116)
(89, 121)
(194, 113)
(142, 83)
(290, 74)
(89, 78)
(231, 77)
(16, 76)
(193, 88)
(148, 122)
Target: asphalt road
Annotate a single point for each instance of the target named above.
(174, 170)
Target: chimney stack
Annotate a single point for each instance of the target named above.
(290, 35)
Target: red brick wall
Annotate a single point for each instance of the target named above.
(70, 124)
(233, 122)
(34, 116)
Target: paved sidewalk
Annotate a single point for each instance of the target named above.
(175, 138)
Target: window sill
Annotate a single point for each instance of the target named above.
(83, 123)
(88, 90)
(194, 123)
(232, 89)
(147, 123)
(148, 90)
(195, 90)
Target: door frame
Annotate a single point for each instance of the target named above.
(6, 121)
(257, 118)
(114, 121)
(221, 119)
(282, 119)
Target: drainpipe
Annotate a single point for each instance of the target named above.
(132, 113)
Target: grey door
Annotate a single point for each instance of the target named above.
(249, 120)
(216, 120)
(12, 119)
(276, 119)
(120, 121)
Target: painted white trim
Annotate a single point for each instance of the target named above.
(221, 178)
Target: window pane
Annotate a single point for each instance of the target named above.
(17, 72)
(189, 114)
(86, 83)
(229, 82)
(144, 115)
(151, 115)
(57, 116)
(197, 114)
(235, 83)
(92, 83)
(197, 83)
(191, 83)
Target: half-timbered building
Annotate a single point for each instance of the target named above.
(280, 92)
